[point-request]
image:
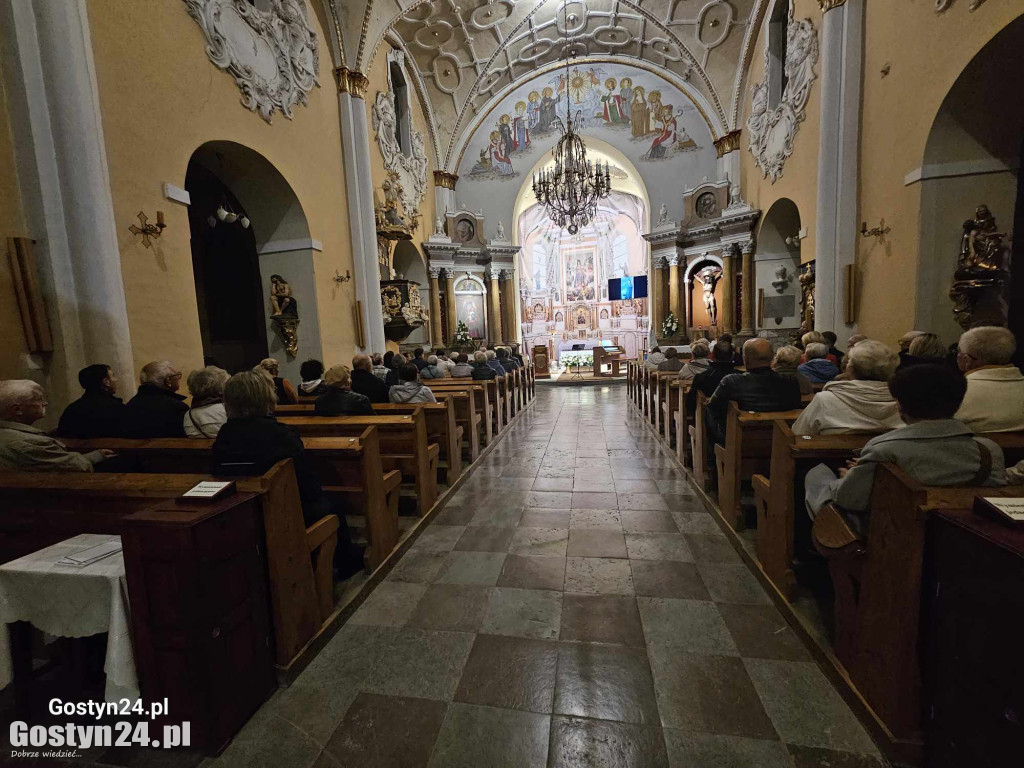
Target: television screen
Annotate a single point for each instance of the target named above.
(615, 289)
(623, 288)
(639, 287)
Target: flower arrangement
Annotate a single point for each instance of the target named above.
(462, 337)
(573, 359)
(670, 327)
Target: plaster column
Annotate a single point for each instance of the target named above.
(659, 263)
(357, 141)
(444, 194)
(673, 289)
(493, 306)
(53, 107)
(687, 319)
(508, 306)
(449, 296)
(842, 40)
(436, 339)
(749, 289)
(728, 310)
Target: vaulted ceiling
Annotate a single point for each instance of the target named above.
(468, 52)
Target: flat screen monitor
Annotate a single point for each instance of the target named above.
(625, 288)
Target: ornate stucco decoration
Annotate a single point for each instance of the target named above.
(410, 170)
(273, 55)
(772, 131)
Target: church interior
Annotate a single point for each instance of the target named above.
(463, 383)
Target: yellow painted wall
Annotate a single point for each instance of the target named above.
(799, 180)
(12, 224)
(162, 98)
(926, 52)
(378, 76)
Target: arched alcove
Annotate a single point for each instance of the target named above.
(973, 156)
(776, 266)
(471, 304)
(408, 264)
(232, 264)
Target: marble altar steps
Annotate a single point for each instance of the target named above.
(758, 481)
(408, 457)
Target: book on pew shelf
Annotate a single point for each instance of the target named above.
(208, 490)
(1007, 510)
(90, 555)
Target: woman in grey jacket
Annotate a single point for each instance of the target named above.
(932, 447)
(409, 389)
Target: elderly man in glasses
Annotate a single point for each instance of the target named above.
(157, 410)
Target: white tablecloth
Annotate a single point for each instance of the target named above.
(71, 602)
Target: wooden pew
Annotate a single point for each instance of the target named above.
(42, 508)
(699, 443)
(466, 417)
(681, 421)
(652, 397)
(881, 655)
(490, 407)
(672, 389)
(747, 451)
(403, 445)
(779, 496)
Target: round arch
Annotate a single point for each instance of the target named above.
(233, 264)
(409, 264)
(972, 156)
(777, 264)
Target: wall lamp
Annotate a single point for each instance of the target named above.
(339, 278)
(878, 231)
(149, 231)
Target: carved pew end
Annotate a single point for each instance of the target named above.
(845, 553)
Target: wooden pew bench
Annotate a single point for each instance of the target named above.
(403, 446)
(487, 402)
(879, 593)
(681, 421)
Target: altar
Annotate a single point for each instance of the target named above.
(582, 345)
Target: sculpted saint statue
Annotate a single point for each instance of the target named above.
(708, 278)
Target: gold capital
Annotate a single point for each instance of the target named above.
(445, 179)
(730, 142)
(352, 82)
(828, 5)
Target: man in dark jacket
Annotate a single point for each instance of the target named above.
(365, 383)
(397, 361)
(507, 362)
(97, 413)
(759, 389)
(339, 399)
(708, 381)
(418, 360)
(157, 410)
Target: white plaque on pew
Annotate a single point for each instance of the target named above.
(208, 490)
(1007, 509)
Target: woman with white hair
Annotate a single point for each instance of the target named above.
(157, 409)
(700, 349)
(861, 404)
(995, 386)
(818, 368)
(207, 414)
(787, 362)
(432, 370)
(286, 394)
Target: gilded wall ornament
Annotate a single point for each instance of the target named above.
(273, 55)
(979, 289)
(772, 131)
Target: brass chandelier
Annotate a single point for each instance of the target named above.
(570, 191)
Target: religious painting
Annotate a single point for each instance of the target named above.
(580, 280)
(670, 138)
(469, 308)
(465, 231)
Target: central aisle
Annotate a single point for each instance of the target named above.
(573, 605)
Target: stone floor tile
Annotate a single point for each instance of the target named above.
(552, 471)
(593, 485)
(549, 500)
(631, 473)
(485, 538)
(647, 521)
(454, 515)
(422, 567)
(544, 518)
(607, 519)
(649, 501)
(711, 549)
(693, 626)
(632, 486)
(497, 516)
(387, 732)
(700, 750)
(588, 500)
(598, 576)
(586, 542)
(805, 708)
(523, 613)
(732, 584)
(601, 619)
(529, 572)
(423, 663)
(815, 757)
(549, 542)
(473, 736)
(390, 604)
(544, 483)
(657, 546)
(268, 741)
(482, 568)
(438, 538)
(670, 578)
(696, 522)
(708, 694)
(453, 607)
(579, 742)
(607, 682)
(761, 632)
(511, 673)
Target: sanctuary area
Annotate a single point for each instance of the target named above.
(512, 383)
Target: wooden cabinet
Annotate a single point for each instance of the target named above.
(974, 642)
(200, 620)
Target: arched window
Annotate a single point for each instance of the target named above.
(400, 88)
(620, 256)
(777, 41)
